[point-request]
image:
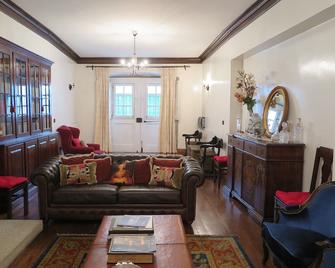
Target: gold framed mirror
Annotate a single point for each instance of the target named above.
(275, 110)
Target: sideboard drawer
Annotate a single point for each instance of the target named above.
(261, 151)
(250, 147)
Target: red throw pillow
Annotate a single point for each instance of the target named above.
(142, 171)
(76, 159)
(167, 162)
(76, 142)
(103, 168)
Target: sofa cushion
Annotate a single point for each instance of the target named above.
(294, 246)
(142, 194)
(104, 168)
(76, 159)
(142, 171)
(167, 162)
(85, 194)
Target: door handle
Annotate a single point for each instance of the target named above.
(139, 120)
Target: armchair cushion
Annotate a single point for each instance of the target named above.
(222, 160)
(295, 247)
(292, 198)
(77, 143)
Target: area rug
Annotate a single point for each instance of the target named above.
(69, 251)
(217, 252)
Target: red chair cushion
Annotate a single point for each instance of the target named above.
(292, 198)
(223, 160)
(8, 182)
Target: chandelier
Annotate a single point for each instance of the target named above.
(133, 64)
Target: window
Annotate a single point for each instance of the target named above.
(123, 101)
(153, 101)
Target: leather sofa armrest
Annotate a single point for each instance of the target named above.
(193, 178)
(46, 178)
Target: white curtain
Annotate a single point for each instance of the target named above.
(167, 133)
(101, 134)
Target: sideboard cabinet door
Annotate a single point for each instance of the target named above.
(15, 160)
(31, 155)
(43, 149)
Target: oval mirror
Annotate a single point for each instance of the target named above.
(275, 110)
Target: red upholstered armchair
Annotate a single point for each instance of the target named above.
(71, 143)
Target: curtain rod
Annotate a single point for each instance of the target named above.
(157, 67)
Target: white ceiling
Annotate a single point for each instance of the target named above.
(167, 28)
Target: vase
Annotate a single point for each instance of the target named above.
(255, 126)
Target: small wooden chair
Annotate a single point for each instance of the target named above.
(196, 137)
(220, 167)
(14, 188)
(295, 199)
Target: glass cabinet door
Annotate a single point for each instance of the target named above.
(35, 99)
(45, 98)
(21, 96)
(6, 97)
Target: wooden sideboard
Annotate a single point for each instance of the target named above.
(256, 169)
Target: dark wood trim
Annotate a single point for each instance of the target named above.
(26, 52)
(246, 18)
(21, 16)
(116, 60)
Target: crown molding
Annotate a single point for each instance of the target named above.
(116, 60)
(252, 13)
(14, 11)
(247, 17)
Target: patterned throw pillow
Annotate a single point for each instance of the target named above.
(104, 168)
(122, 174)
(76, 159)
(166, 176)
(142, 171)
(78, 174)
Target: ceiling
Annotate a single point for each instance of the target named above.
(167, 28)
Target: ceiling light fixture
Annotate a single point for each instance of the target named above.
(133, 63)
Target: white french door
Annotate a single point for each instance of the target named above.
(135, 113)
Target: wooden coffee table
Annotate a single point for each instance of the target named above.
(171, 247)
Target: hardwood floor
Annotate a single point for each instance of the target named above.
(216, 215)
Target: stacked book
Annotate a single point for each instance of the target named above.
(132, 239)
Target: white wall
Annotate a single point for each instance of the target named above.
(62, 72)
(189, 100)
(284, 20)
(305, 65)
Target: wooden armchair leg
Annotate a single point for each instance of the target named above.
(265, 253)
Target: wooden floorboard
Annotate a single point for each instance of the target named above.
(216, 215)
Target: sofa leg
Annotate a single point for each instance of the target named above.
(265, 253)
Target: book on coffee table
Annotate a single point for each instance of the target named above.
(134, 248)
(131, 225)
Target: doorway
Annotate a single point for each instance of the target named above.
(135, 114)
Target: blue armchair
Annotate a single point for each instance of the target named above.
(300, 237)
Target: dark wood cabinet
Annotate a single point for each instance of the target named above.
(258, 168)
(26, 139)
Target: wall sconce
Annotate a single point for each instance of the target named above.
(71, 86)
(206, 86)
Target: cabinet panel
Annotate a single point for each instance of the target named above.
(15, 160)
(21, 93)
(31, 156)
(238, 165)
(35, 96)
(53, 145)
(6, 95)
(43, 149)
(45, 97)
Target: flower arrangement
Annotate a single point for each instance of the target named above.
(246, 87)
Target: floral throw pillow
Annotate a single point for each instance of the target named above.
(78, 174)
(166, 176)
(122, 174)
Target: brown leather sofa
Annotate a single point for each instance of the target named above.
(92, 202)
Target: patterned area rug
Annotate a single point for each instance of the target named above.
(69, 251)
(217, 252)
